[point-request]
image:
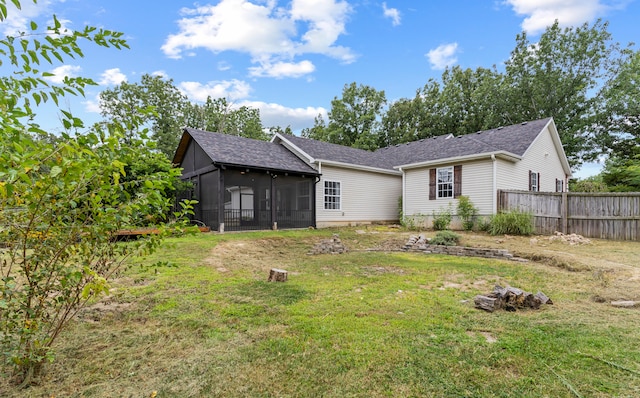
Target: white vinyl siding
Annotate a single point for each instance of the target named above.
(365, 197)
(542, 158)
(477, 180)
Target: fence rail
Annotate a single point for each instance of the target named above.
(594, 215)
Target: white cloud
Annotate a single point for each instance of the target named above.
(92, 105)
(63, 71)
(543, 13)
(282, 69)
(278, 115)
(392, 13)
(112, 76)
(160, 73)
(271, 35)
(232, 89)
(223, 65)
(443, 56)
(18, 20)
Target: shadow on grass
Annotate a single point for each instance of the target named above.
(269, 294)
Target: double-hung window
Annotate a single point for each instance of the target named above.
(534, 181)
(332, 195)
(445, 182)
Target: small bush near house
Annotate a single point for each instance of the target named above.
(467, 212)
(513, 222)
(484, 224)
(442, 219)
(413, 222)
(445, 238)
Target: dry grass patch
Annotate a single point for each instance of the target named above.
(365, 323)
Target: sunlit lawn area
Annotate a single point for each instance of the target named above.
(360, 324)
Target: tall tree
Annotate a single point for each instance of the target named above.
(619, 121)
(160, 103)
(464, 101)
(219, 116)
(156, 101)
(556, 76)
(354, 119)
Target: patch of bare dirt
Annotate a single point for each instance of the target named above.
(96, 312)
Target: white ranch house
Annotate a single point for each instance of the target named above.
(353, 186)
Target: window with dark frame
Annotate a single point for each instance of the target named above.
(332, 195)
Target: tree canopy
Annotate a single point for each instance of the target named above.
(577, 75)
(160, 104)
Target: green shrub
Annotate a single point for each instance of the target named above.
(484, 224)
(445, 238)
(442, 219)
(467, 212)
(513, 222)
(414, 222)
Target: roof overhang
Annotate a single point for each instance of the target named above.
(292, 147)
(271, 170)
(508, 156)
(358, 167)
(182, 148)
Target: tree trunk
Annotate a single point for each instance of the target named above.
(277, 275)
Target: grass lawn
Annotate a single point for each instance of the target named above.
(361, 324)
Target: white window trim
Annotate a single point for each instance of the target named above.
(534, 187)
(438, 197)
(324, 195)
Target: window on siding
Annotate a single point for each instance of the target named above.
(534, 181)
(332, 195)
(559, 185)
(445, 182)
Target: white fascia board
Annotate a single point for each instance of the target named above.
(555, 136)
(499, 154)
(289, 145)
(359, 167)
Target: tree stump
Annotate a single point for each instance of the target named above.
(277, 275)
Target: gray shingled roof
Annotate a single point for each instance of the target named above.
(337, 153)
(513, 139)
(246, 152)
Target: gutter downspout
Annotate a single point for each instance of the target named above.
(494, 200)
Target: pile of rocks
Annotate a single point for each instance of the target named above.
(416, 242)
(330, 246)
(571, 239)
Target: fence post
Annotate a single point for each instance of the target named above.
(565, 211)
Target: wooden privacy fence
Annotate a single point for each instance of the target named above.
(595, 215)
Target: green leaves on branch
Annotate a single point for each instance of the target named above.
(63, 199)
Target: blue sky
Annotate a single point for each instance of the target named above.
(291, 58)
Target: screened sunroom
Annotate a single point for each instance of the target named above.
(244, 184)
